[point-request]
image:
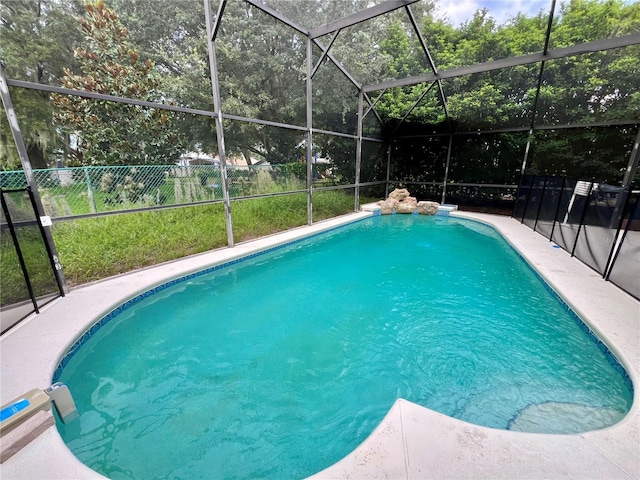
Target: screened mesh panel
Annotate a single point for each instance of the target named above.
(485, 34)
(372, 193)
(380, 49)
(487, 158)
(522, 198)
(415, 105)
(419, 159)
(549, 205)
(624, 272)
(605, 19)
(329, 203)
(534, 202)
(172, 34)
(261, 66)
(311, 14)
(15, 301)
(373, 165)
(371, 126)
(284, 212)
(28, 38)
(599, 231)
(113, 133)
(590, 88)
(334, 161)
(255, 144)
(600, 153)
(431, 191)
(497, 200)
(334, 101)
(34, 253)
(573, 201)
(496, 99)
(42, 137)
(75, 191)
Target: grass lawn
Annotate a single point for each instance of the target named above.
(95, 248)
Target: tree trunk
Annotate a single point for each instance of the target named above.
(36, 157)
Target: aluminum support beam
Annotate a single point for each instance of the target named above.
(215, 90)
(374, 103)
(446, 168)
(109, 98)
(568, 126)
(278, 16)
(309, 151)
(346, 73)
(324, 53)
(386, 188)
(557, 53)
(545, 50)
(263, 122)
(432, 64)
(216, 25)
(632, 166)
(28, 173)
(415, 104)
(359, 17)
(359, 150)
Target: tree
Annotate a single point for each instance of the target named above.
(111, 133)
(37, 42)
(173, 35)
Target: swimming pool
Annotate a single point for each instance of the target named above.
(406, 353)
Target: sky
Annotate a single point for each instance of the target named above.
(459, 11)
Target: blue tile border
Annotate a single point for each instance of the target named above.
(611, 358)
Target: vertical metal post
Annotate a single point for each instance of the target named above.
(626, 192)
(632, 215)
(582, 215)
(526, 152)
(358, 151)
(217, 108)
(386, 187)
(555, 215)
(629, 174)
(446, 168)
(31, 182)
(544, 188)
(634, 159)
(92, 200)
(309, 152)
(545, 49)
(513, 212)
(526, 204)
(54, 263)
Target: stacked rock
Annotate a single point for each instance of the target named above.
(401, 201)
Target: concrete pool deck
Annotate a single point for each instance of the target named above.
(411, 441)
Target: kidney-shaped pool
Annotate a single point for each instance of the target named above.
(278, 365)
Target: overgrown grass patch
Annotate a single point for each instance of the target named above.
(95, 248)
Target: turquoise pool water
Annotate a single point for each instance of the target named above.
(280, 365)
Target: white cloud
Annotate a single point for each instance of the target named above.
(460, 11)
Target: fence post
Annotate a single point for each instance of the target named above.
(92, 200)
(582, 217)
(555, 215)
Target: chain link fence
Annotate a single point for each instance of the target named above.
(67, 192)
